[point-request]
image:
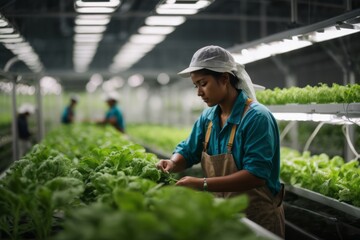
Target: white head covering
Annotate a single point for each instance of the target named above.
(112, 96)
(218, 59)
(74, 98)
(26, 107)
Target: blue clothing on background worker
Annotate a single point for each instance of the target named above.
(24, 133)
(114, 115)
(68, 115)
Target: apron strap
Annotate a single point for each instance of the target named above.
(247, 106)
(231, 138)
(233, 129)
(207, 136)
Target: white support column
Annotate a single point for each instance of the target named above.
(14, 128)
(15, 136)
(349, 78)
(39, 112)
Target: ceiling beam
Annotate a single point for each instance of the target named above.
(204, 16)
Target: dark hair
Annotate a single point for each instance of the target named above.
(234, 80)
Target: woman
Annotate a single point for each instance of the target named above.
(236, 139)
(114, 115)
(68, 115)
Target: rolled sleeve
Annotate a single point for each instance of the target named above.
(192, 147)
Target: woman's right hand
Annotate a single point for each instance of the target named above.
(165, 165)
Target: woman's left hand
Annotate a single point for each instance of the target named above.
(191, 182)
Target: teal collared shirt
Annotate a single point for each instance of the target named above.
(115, 111)
(256, 146)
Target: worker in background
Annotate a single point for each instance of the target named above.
(236, 140)
(24, 134)
(68, 115)
(114, 115)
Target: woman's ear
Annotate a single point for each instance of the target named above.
(225, 78)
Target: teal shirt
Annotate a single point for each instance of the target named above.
(115, 111)
(66, 114)
(256, 146)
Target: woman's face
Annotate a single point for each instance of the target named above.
(211, 90)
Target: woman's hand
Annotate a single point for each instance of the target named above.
(191, 182)
(165, 165)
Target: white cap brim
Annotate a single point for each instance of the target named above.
(186, 72)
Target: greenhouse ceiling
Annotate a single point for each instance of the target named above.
(68, 42)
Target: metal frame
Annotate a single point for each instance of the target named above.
(331, 202)
(341, 109)
(14, 129)
(297, 31)
(258, 230)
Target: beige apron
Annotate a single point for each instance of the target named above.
(264, 208)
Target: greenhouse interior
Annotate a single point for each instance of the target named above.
(70, 171)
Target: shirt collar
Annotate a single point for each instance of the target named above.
(236, 113)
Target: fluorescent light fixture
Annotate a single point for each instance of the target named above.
(86, 47)
(11, 40)
(331, 33)
(109, 3)
(83, 57)
(266, 50)
(113, 83)
(83, 53)
(17, 45)
(127, 58)
(6, 30)
(15, 35)
(49, 85)
(3, 23)
(79, 50)
(89, 29)
(181, 8)
(96, 79)
(163, 78)
(198, 5)
(135, 80)
(156, 30)
(146, 39)
(95, 10)
(88, 37)
(176, 11)
(93, 16)
(252, 54)
(137, 47)
(165, 20)
(84, 40)
(23, 50)
(30, 54)
(104, 21)
(297, 38)
(287, 45)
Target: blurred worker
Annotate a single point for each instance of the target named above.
(114, 115)
(236, 140)
(68, 115)
(24, 134)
